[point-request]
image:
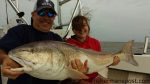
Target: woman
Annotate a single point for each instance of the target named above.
(81, 29)
(81, 38)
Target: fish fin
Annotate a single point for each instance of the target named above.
(74, 74)
(127, 50)
(133, 62)
(23, 69)
(103, 72)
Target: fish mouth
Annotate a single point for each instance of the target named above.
(23, 63)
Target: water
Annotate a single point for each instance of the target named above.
(138, 47)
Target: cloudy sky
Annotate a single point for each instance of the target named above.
(111, 20)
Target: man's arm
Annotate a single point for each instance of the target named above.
(3, 55)
(7, 64)
(6, 68)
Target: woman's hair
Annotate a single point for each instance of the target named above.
(78, 22)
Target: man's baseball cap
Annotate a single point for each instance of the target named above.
(44, 4)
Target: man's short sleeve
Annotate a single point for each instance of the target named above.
(9, 41)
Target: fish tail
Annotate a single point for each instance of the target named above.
(127, 50)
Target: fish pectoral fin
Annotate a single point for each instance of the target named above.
(22, 69)
(74, 74)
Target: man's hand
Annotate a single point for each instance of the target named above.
(78, 65)
(7, 65)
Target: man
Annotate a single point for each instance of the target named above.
(43, 17)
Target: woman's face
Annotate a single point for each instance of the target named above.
(82, 32)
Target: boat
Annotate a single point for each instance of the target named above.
(122, 73)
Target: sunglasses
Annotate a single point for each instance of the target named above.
(49, 13)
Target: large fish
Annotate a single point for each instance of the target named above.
(51, 59)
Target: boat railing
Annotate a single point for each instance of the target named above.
(20, 14)
(60, 25)
(145, 49)
(146, 44)
(73, 14)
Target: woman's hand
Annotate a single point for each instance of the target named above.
(6, 68)
(116, 60)
(78, 65)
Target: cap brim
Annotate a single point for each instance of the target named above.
(43, 7)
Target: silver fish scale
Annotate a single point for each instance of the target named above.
(51, 59)
(67, 51)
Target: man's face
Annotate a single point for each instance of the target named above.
(43, 20)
